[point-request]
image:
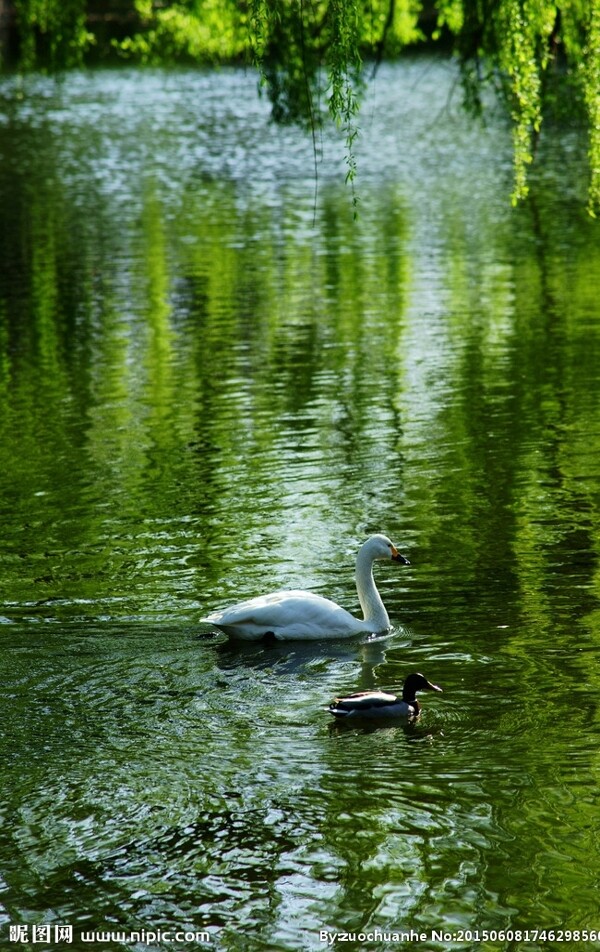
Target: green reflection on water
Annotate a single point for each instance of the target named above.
(203, 396)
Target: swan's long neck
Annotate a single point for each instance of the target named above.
(370, 600)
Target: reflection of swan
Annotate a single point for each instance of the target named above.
(378, 704)
(297, 614)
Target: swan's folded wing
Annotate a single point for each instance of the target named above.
(286, 614)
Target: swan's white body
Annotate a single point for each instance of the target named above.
(296, 614)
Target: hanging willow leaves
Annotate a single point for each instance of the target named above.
(52, 33)
(590, 77)
(310, 53)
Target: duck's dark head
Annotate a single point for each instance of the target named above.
(414, 683)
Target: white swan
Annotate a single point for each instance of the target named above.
(303, 615)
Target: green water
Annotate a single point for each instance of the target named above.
(215, 383)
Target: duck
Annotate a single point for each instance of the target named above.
(380, 704)
(297, 614)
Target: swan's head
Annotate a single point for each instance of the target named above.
(380, 547)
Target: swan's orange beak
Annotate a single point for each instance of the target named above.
(397, 557)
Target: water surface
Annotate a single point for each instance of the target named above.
(215, 382)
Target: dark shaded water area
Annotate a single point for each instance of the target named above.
(214, 382)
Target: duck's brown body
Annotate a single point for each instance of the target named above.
(375, 704)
